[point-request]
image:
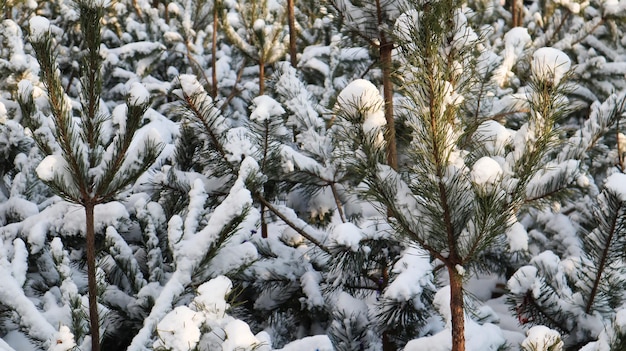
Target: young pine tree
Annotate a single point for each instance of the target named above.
(84, 165)
(464, 177)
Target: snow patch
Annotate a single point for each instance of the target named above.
(362, 97)
(486, 171)
(63, 341)
(348, 235)
(50, 167)
(39, 28)
(414, 272)
(616, 183)
(138, 94)
(310, 343)
(517, 237)
(179, 330)
(239, 337)
(525, 279)
(264, 108)
(550, 64)
(540, 338)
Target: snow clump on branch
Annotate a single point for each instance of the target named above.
(550, 64)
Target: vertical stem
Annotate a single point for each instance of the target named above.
(385, 50)
(213, 51)
(457, 309)
(385, 57)
(261, 76)
(333, 188)
(291, 20)
(514, 13)
(263, 222)
(387, 344)
(91, 276)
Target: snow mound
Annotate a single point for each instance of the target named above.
(138, 94)
(495, 135)
(39, 27)
(550, 64)
(486, 171)
(239, 337)
(348, 235)
(414, 273)
(265, 108)
(517, 237)
(63, 340)
(542, 338)
(310, 343)
(179, 330)
(616, 183)
(362, 97)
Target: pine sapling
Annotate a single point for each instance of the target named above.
(86, 168)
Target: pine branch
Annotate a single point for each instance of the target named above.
(605, 242)
(299, 229)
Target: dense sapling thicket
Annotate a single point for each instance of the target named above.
(306, 175)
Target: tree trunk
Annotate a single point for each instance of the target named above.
(385, 59)
(291, 20)
(91, 276)
(457, 309)
(387, 344)
(213, 58)
(385, 50)
(261, 76)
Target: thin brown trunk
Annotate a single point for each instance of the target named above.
(91, 276)
(514, 13)
(387, 344)
(385, 57)
(261, 76)
(263, 222)
(385, 51)
(333, 188)
(213, 58)
(291, 20)
(457, 309)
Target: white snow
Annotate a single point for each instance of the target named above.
(52, 166)
(495, 136)
(414, 273)
(517, 237)
(194, 249)
(138, 94)
(541, 338)
(190, 85)
(310, 282)
(265, 108)
(211, 295)
(239, 337)
(179, 330)
(486, 337)
(571, 5)
(310, 343)
(550, 64)
(486, 171)
(616, 183)
(19, 264)
(39, 27)
(525, 279)
(63, 341)
(361, 96)
(348, 235)
(515, 40)
(258, 25)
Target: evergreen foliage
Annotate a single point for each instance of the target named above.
(221, 175)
